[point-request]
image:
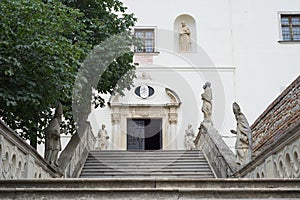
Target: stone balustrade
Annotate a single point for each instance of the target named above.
(73, 157)
(19, 160)
(220, 157)
(279, 160)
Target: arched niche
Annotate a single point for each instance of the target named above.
(191, 24)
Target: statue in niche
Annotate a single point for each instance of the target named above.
(184, 38)
(103, 138)
(189, 138)
(207, 103)
(243, 132)
(52, 137)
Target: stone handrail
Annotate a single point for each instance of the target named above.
(73, 157)
(19, 160)
(220, 157)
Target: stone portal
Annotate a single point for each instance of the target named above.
(145, 122)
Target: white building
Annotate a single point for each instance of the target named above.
(248, 50)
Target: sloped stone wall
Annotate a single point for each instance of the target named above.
(218, 154)
(73, 157)
(282, 114)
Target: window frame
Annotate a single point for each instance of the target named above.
(144, 29)
(289, 14)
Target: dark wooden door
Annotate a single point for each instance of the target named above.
(144, 134)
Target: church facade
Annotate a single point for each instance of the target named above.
(247, 51)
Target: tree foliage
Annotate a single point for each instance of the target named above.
(42, 46)
(102, 20)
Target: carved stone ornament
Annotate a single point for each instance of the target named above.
(144, 76)
(173, 118)
(144, 91)
(115, 118)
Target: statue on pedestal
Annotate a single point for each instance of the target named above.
(243, 132)
(102, 138)
(52, 137)
(189, 138)
(184, 38)
(207, 103)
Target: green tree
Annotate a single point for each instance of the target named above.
(104, 19)
(42, 46)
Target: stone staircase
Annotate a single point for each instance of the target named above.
(120, 175)
(143, 164)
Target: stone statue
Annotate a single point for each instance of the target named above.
(243, 132)
(189, 138)
(52, 137)
(207, 103)
(102, 138)
(184, 38)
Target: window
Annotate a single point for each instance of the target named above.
(147, 38)
(290, 26)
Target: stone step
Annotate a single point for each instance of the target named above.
(145, 167)
(147, 162)
(145, 154)
(145, 157)
(146, 151)
(106, 157)
(150, 188)
(143, 175)
(129, 166)
(132, 170)
(150, 183)
(94, 163)
(150, 194)
(112, 174)
(164, 163)
(148, 176)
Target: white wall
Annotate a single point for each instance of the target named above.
(237, 39)
(212, 18)
(264, 64)
(237, 33)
